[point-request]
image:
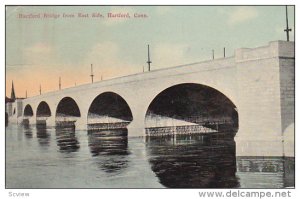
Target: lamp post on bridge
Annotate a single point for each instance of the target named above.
(92, 74)
(287, 30)
(149, 61)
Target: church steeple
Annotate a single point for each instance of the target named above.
(13, 95)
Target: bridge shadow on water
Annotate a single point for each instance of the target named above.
(109, 149)
(43, 135)
(178, 159)
(266, 172)
(193, 161)
(27, 130)
(66, 139)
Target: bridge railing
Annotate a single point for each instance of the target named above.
(197, 120)
(66, 119)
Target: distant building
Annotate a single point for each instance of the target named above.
(7, 99)
(13, 105)
(13, 95)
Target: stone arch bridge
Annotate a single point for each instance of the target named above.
(254, 90)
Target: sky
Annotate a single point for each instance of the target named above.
(40, 50)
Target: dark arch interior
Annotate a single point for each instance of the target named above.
(43, 110)
(67, 107)
(112, 105)
(109, 111)
(28, 110)
(193, 103)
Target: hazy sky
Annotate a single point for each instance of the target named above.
(39, 50)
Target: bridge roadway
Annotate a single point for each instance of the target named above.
(258, 83)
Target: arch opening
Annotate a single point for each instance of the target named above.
(28, 113)
(43, 112)
(191, 108)
(109, 111)
(67, 112)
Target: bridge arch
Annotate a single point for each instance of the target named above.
(108, 111)
(28, 111)
(190, 106)
(67, 112)
(43, 110)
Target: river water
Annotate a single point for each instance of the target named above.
(69, 158)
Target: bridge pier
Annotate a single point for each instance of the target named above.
(50, 121)
(81, 123)
(265, 104)
(273, 143)
(32, 120)
(136, 130)
(137, 127)
(266, 147)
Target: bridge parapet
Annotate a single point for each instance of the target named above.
(273, 49)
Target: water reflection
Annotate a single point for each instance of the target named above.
(43, 135)
(66, 139)
(266, 172)
(253, 164)
(27, 130)
(289, 171)
(193, 161)
(107, 162)
(109, 149)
